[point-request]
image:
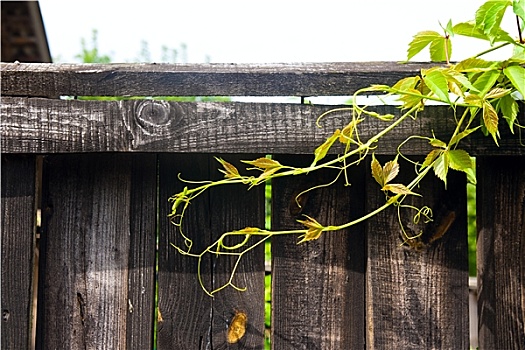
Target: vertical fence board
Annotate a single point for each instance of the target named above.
(501, 252)
(17, 244)
(318, 286)
(417, 297)
(190, 318)
(235, 207)
(85, 252)
(141, 274)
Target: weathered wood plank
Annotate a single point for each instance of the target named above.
(318, 287)
(501, 252)
(417, 296)
(190, 318)
(185, 311)
(231, 208)
(85, 255)
(37, 125)
(142, 251)
(17, 244)
(301, 79)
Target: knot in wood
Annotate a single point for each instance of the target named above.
(153, 113)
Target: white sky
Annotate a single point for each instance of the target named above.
(269, 31)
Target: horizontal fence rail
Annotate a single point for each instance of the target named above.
(100, 173)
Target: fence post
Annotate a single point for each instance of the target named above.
(501, 252)
(417, 294)
(17, 244)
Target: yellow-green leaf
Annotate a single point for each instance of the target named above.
(390, 171)
(459, 160)
(440, 49)
(462, 135)
(498, 92)
(509, 109)
(489, 16)
(437, 83)
(406, 83)
(314, 229)
(229, 171)
(321, 151)
(377, 171)
(516, 75)
(420, 41)
(429, 159)
(441, 165)
(399, 189)
(263, 163)
(490, 118)
(347, 134)
(486, 81)
(438, 143)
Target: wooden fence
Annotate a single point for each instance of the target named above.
(108, 168)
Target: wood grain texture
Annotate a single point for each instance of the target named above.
(190, 318)
(318, 286)
(17, 244)
(85, 254)
(34, 125)
(417, 297)
(142, 251)
(301, 79)
(501, 252)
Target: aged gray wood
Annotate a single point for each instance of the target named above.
(417, 295)
(234, 207)
(34, 125)
(301, 79)
(84, 296)
(185, 311)
(142, 251)
(190, 319)
(17, 244)
(318, 287)
(501, 252)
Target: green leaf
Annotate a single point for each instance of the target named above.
(455, 76)
(516, 75)
(497, 93)
(469, 29)
(321, 151)
(440, 49)
(406, 84)
(486, 81)
(474, 100)
(518, 7)
(438, 143)
(441, 167)
(431, 157)
(474, 65)
(489, 16)
(509, 109)
(490, 119)
(462, 135)
(420, 41)
(410, 100)
(459, 160)
(437, 83)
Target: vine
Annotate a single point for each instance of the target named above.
(486, 90)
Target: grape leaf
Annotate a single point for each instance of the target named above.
(440, 49)
(509, 109)
(441, 167)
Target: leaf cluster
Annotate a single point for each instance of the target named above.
(481, 93)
